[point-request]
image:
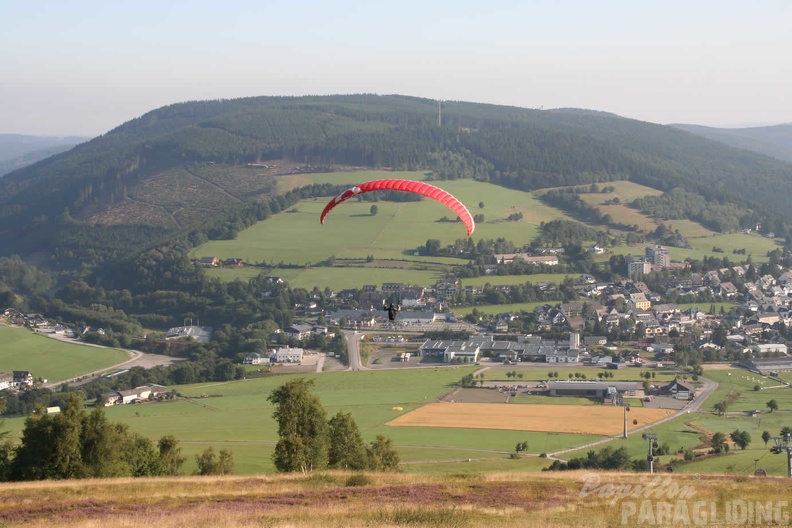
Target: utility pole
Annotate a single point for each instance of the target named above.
(652, 439)
(783, 444)
(626, 407)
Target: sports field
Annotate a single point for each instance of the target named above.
(602, 420)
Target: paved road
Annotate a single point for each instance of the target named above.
(136, 359)
(353, 349)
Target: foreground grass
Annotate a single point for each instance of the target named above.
(335, 499)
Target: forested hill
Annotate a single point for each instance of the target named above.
(774, 141)
(17, 151)
(125, 190)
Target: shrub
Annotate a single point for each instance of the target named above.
(358, 479)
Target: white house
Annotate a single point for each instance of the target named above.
(289, 355)
(254, 358)
(6, 379)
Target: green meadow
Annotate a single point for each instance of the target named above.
(743, 382)
(517, 279)
(725, 306)
(238, 417)
(52, 359)
(494, 309)
(296, 237)
(755, 245)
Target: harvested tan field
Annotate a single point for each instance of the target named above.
(720, 366)
(603, 420)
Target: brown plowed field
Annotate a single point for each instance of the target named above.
(603, 420)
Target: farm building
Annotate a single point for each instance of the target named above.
(680, 390)
(767, 365)
(138, 394)
(768, 348)
(591, 389)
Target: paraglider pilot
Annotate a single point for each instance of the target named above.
(391, 309)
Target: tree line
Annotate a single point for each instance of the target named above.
(308, 441)
(77, 444)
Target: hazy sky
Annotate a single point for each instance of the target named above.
(80, 67)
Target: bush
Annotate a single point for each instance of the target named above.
(358, 479)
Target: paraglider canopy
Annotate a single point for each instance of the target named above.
(421, 188)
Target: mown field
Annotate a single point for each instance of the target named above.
(52, 359)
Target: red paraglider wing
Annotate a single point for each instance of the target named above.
(409, 186)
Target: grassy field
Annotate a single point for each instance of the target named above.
(743, 382)
(726, 306)
(494, 309)
(351, 232)
(755, 245)
(517, 279)
(621, 213)
(238, 417)
(52, 359)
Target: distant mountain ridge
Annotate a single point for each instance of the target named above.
(18, 150)
(179, 168)
(774, 141)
